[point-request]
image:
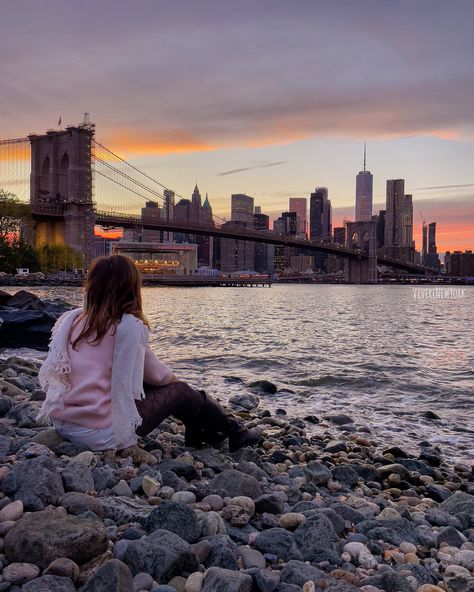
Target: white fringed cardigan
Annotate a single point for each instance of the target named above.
(131, 340)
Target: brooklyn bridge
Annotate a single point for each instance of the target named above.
(74, 183)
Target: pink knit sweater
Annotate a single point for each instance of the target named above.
(88, 402)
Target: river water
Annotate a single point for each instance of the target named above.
(380, 354)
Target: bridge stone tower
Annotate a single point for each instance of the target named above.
(61, 188)
(362, 235)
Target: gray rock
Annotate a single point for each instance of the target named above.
(224, 580)
(77, 477)
(246, 401)
(298, 573)
(5, 445)
(38, 483)
(113, 576)
(314, 535)
(346, 475)
(339, 419)
(389, 581)
(123, 510)
(263, 580)
(104, 478)
(450, 535)
(24, 414)
(438, 492)
(162, 554)
(272, 503)
(317, 473)
(42, 537)
(76, 503)
(279, 542)
(175, 517)
(240, 535)
(142, 581)
(459, 503)
(234, 483)
(49, 584)
(223, 553)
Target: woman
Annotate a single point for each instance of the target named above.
(103, 383)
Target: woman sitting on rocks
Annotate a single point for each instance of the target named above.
(103, 383)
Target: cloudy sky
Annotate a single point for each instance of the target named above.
(266, 97)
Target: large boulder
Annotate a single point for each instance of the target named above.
(162, 554)
(315, 535)
(26, 328)
(225, 580)
(42, 537)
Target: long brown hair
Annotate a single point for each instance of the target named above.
(112, 288)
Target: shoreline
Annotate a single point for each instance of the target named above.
(331, 511)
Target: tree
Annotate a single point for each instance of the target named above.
(16, 253)
(57, 257)
(15, 216)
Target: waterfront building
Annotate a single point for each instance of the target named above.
(459, 263)
(159, 258)
(299, 205)
(381, 228)
(364, 193)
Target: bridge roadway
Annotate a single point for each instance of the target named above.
(261, 236)
(131, 221)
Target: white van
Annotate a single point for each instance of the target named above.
(22, 271)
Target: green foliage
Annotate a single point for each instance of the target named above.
(16, 253)
(15, 216)
(58, 257)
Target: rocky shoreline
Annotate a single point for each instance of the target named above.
(333, 511)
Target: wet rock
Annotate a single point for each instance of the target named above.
(224, 580)
(175, 517)
(273, 503)
(438, 492)
(113, 576)
(246, 401)
(233, 483)
(13, 511)
(162, 554)
(451, 536)
(339, 419)
(42, 537)
(263, 580)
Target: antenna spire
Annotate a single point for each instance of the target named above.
(364, 155)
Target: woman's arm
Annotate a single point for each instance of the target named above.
(155, 372)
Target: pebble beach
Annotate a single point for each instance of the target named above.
(316, 506)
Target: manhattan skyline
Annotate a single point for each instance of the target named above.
(265, 98)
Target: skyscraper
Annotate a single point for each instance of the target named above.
(394, 209)
(432, 257)
(424, 242)
(263, 253)
(299, 205)
(364, 188)
(242, 209)
(320, 214)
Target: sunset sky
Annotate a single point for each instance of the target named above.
(288, 91)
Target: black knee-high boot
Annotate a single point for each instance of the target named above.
(214, 424)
